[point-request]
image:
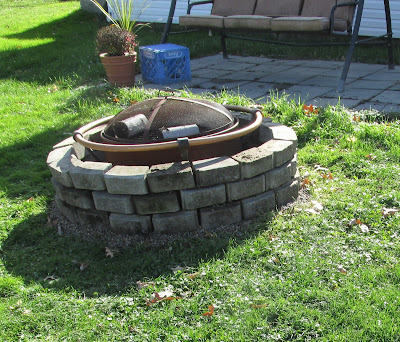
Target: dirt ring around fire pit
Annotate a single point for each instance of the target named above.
(176, 197)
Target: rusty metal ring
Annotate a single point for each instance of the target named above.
(199, 141)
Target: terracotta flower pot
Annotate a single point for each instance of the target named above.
(120, 70)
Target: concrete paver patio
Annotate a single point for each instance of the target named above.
(368, 86)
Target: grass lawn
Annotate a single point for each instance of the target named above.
(324, 269)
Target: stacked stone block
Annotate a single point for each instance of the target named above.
(179, 196)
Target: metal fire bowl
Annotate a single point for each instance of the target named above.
(161, 152)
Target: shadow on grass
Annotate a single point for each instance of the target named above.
(24, 172)
(34, 252)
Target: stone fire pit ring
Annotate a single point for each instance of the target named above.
(178, 196)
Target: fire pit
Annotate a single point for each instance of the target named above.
(170, 129)
(169, 164)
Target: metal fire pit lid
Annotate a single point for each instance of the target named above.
(168, 118)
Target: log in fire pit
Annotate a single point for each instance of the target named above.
(172, 164)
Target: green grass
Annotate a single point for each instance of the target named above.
(290, 276)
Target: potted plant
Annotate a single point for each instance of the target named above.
(116, 43)
(116, 47)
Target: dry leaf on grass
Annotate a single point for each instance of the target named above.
(193, 275)
(312, 211)
(364, 228)
(308, 110)
(351, 139)
(161, 296)
(165, 294)
(352, 222)
(317, 206)
(210, 311)
(109, 253)
(327, 176)
(316, 209)
(140, 285)
(389, 211)
(82, 265)
(320, 168)
(132, 330)
(305, 183)
(156, 298)
(179, 268)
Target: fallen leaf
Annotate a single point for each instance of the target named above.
(317, 206)
(48, 223)
(364, 228)
(274, 260)
(358, 222)
(351, 139)
(389, 211)
(141, 285)
(326, 176)
(370, 156)
(156, 298)
(171, 298)
(109, 252)
(165, 294)
(304, 183)
(30, 199)
(160, 296)
(320, 168)
(82, 265)
(193, 275)
(210, 311)
(178, 269)
(310, 109)
(352, 222)
(132, 330)
(259, 306)
(342, 270)
(312, 211)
